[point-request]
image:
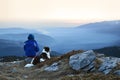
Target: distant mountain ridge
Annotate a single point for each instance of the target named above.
(104, 26)
(101, 23)
(109, 51)
(12, 40)
(9, 47)
(88, 36)
(17, 30)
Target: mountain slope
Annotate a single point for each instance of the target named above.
(12, 42)
(8, 47)
(110, 51)
(112, 27)
(89, 36)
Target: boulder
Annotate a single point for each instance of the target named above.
(108, 64)
(103, 59)
(82, 60)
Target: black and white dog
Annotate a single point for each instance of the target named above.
(40, 57)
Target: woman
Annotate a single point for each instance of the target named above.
(30, 48)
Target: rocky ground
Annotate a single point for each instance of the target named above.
(11, 58)
(74, 65)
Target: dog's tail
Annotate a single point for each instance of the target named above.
(37, 54)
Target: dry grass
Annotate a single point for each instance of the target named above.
(67, 55)
(97, 63)
(71, 78)
(92, 76)
(3, 77)
(64, 68)
(56, 59)
(64, 73)
(100, 76)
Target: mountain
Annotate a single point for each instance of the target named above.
(12, 41)
(112, 27)
(109, 51)
(9, 47)
(55, 54)
(88, 36)
(16, 30)
(22, 37)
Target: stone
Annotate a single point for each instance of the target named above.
(90, 67)
(14, 70)
(81, 60)
(25, 76)
(100, 55)
(117, 72)
(107, 71)
(28, 60)
(53, 67)
(108, 65)
(103, 59)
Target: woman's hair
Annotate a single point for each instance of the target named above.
(30, 37)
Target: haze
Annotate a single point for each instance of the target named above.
(58, 12)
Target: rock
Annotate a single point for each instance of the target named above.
(100, 55)
(108, 65)
(28, 59)
(90, 67)
(25, 76)
(14, 70)
(53, 67)
(103, 59)
(107, 71)
(1, 64)
(93, 69)
(16, 62)
(117, 72)
(82, 60)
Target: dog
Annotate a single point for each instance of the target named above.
(40, 57)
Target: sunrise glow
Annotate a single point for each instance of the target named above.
(58, 10)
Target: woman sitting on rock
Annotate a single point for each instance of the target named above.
(31, 48)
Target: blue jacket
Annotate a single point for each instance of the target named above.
(31, 48)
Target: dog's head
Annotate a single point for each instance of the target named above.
(47, 49)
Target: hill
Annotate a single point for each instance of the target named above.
(12, 41)
(109, 51)
(9, 48)
(112, 27)
(88, 36)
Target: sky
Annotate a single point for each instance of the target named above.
(55, 11)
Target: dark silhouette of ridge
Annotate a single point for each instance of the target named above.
(109, 51)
